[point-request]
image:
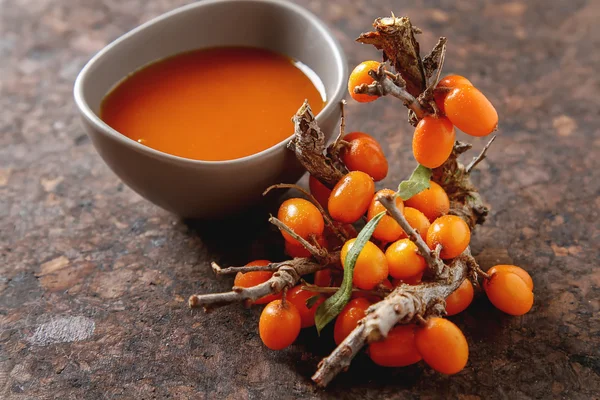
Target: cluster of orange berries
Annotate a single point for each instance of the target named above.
(390, 258)
(459, 104)
(386, 261)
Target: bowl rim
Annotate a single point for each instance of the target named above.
(92, 118)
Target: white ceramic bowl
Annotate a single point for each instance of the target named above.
(209, 189)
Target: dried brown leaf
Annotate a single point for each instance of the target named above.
(432, 61)
(308, 144)
(396, 37)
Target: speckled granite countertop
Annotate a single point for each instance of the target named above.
(94, 279)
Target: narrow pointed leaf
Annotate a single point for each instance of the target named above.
(418, 181)
(328, 310)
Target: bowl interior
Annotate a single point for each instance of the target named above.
(278, 26)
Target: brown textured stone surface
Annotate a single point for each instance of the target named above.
(83, 258)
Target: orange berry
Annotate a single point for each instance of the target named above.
(348, 318)
(398, 349)
(453, 81)
(470, 111)
(302, 217)
(371, 267)
(351, 196)
(515, 270)
(433, 202)
(359, 135)
(366, 155)
(444, 87)
(279, 324)
(452, 233)
(297, 250)
(442, 345)
(323, 278)
(417, 220)
(433, 141)
(253, 278)
(404, 260)
(508, 292)
(459, 300)
(298, 298)
(320, 191)
(360, 75)
(387, 229)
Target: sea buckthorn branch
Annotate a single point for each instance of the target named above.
(387, 83)
(435, 264)
(406, 304)
(326, 217)
(288, 273)
(309, 146)
(415, 82)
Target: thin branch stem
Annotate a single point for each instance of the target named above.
(284, 295)
(384, 85)
(404, 305)
(218, 270)
(481, 272)
(435, 264)
(480, 157)
(342, 132)
(334, 151)
(287, 275)
(323, 212)
(477, 269)
(316, 252)
(438, 250)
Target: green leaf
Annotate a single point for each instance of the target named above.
(336, 303)
(418, 181)
(311, 301)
